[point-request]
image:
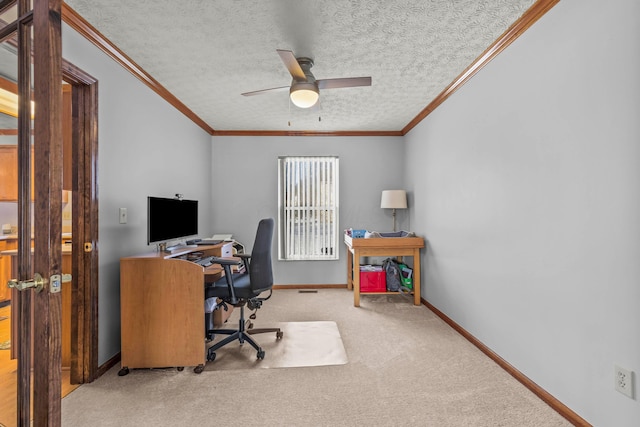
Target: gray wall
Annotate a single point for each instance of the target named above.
(245, 180)
(527, 186)
(146, 147)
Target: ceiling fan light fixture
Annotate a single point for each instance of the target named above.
(304, 94)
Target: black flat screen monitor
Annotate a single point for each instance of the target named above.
(169, 219)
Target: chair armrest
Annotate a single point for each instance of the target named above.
(226, 261)
(246, 259)
(226, 264)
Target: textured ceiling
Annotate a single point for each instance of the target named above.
(208, 52)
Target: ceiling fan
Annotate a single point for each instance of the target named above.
(304, 90)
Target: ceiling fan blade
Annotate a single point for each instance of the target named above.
(260, 92)
(344, 82)
(292, 65)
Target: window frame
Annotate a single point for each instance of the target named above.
(318, 209)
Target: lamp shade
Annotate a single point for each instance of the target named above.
(394, 199)
(304, 94)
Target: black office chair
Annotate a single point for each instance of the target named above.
(240, 289)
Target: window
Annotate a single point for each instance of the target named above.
(308, 208)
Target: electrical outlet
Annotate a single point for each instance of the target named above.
(624, 381)
(123, 215)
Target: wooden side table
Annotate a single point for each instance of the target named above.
(381, 247)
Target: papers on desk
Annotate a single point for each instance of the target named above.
(223, 237)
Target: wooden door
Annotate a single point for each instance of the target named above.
(36, 34)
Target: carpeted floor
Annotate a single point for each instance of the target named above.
(405, 368)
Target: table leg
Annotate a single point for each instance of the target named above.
(349, 269)
(356, 279)
(416, 277)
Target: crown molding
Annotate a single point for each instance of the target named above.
(78, 23)
(304, 133)
(535, 12)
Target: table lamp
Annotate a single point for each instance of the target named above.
(394, 199)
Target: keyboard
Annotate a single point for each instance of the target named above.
(208, 242)
(205, 262)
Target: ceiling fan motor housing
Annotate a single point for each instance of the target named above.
(306, 64)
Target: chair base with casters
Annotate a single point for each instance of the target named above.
(242, 334)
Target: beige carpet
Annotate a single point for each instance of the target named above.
(302, 344)
(405, 368)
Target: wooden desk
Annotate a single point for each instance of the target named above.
(162, 309)
(386, 247)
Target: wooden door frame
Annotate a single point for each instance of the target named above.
(84, 165)
(47, 230)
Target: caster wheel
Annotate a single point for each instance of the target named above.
(260, 354)
(122, 372)
(198, 369)
(180, 368)
(279, 335)
(211, 357)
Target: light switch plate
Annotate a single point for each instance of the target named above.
(123, 215)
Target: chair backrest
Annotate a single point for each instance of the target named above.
(260, 269)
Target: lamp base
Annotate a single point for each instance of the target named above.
(393, 214)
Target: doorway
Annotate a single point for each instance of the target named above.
(82, 165)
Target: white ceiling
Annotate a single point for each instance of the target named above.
(208, 52)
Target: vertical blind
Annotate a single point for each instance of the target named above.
(308, 208)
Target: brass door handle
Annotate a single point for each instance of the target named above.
(37, 282)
